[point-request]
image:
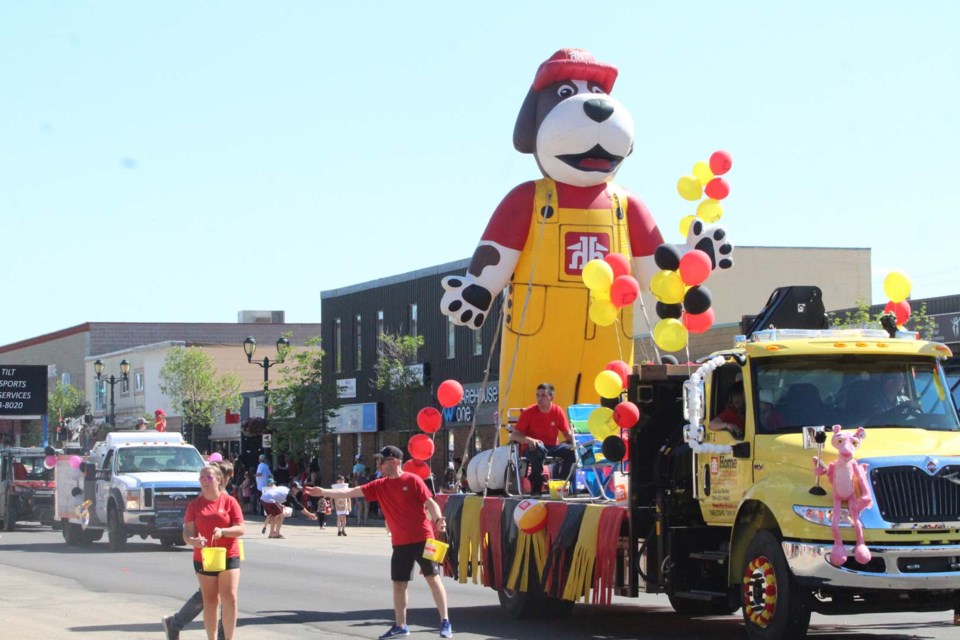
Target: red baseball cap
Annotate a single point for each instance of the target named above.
(159, 412)
(575, 64)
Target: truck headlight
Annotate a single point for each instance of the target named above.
(822, 515)
(133, 501)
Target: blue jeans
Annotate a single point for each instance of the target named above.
(190, 610)
(535, 457)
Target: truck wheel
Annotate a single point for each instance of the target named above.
(170, 541)
(715, 607)
(116, 536)
(774, 606)
(533, 603)
(90, 536)
(72, 533)
(10, 522)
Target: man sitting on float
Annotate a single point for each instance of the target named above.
(539, 428)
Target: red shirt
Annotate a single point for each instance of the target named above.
(207, 515)
(402, 500)
(544, 426)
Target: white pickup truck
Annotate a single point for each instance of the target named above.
(132, 483)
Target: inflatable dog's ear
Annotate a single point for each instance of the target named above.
(525, 130)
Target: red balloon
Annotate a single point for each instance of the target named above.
(429, 419)
(620, 368)
(417, 467)
(420, 447)
(720, 162)
(624, 291)
(449, 393)
(900, 310)
(626, 414)
(619, 263)
(625, 436)
(695, 267)
(718, 189)
(698, 322)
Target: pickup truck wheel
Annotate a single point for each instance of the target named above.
(72, 533)
(90, 536)
(10, 522)
(774, 606)
(170, 541)
(116, 536)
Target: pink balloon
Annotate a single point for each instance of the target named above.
(626, 414)
(620, 368)
(698, 322)
(718, 189)
(619, 263)
(215, 457)
(75, 462)
(50, 462)
(695, 267)
(417, 467)
(720, 162)
(429, 419)
(420, 447)
(900, 310)
(449, 393)
(624, 291)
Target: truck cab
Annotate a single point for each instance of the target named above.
(26, 487)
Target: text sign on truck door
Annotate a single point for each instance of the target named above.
(23, 391)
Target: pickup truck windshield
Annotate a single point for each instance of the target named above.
(144, 459)
(852, 391)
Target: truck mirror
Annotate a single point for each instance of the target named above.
(741, 450)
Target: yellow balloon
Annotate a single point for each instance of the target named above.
(600, 295)
(897, 286)
(602, 312)
(601, 424)
(670, 334)
(597, 275)
(667, 287)
(702, 171)
(608, 384)
(710, 210)
(689, 188)
(685, 223)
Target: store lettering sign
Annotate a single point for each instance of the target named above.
(23, 391)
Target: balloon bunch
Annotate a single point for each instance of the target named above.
(611, 287)
(429, 419)
(897, 287)
(683, 302)
(606, 424)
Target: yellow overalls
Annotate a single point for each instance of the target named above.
(546, 323)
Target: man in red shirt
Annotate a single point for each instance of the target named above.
(539, 427)
(408, 509)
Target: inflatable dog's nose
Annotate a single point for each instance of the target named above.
(597, 109)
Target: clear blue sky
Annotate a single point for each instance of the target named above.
(181, 161)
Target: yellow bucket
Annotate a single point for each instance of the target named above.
(556, 488)
(240, 549)
(214, 558)
(435, 550)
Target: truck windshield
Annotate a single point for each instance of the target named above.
(852, 391)
(143, 459)
(30, 468)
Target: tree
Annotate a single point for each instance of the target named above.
(66, 402)
(923, 323)
(859, 318)
(189, 379)
(301, 404)
(394, 374)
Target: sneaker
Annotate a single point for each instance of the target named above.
(446, 630)
(396, 632)
(171, 633)
(344, 533)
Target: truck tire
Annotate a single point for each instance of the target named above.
(533, 603)
(170, 541)
(72, 533)
(116, 535)
(774, 606)
(10, 522)
(715, 607)
(90, 536)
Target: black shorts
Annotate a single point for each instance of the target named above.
(232, 563)
(403, 559)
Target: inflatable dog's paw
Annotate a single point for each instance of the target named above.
(713, 241)
(464, 301)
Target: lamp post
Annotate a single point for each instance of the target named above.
(250, 347)
(112, 381)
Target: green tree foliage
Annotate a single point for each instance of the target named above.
(922, 323)
(66, 402)
(190, 380)
(394, 374)
(862, 318)
(301, 404)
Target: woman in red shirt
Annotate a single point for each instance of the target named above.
(215, 519)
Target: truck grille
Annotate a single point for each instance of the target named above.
(174, 498)
(908, 494)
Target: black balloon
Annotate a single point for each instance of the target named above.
(697, 299)
(614, 449)
(665, 311)
(667, 257)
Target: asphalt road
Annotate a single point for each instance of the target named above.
(315, 584)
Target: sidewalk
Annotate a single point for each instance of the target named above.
(370, 539)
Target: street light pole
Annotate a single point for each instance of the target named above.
(250, 347)
(98, 367)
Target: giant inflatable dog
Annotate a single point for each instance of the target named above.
(544, 232)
